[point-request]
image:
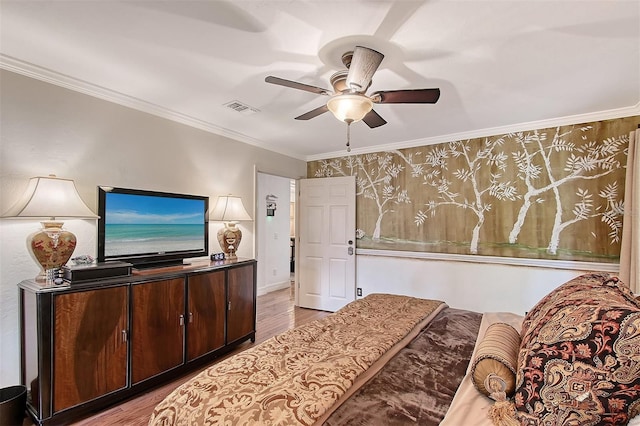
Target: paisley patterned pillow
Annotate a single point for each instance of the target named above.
(579, 360)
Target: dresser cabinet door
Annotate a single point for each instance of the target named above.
(90, 345)
(157, 329)
(205, 313)
(241, 303)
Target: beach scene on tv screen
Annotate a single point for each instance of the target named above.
(140, 224)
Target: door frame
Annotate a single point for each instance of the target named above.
(256, 226)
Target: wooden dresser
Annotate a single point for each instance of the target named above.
(86, 346)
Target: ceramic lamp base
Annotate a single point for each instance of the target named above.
(229, 238)
(51, 247)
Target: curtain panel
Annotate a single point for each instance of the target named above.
(630, 247)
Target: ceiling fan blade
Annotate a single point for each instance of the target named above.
(410, 96)
(313, 113)
(364, 64)
(373, 119)
(295, 85)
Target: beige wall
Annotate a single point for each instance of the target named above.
(46, 129)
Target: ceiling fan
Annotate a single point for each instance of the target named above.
(348, 102)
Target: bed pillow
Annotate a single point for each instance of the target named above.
(494, 367)
(579, 359)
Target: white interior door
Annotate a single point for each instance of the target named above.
(326, 255)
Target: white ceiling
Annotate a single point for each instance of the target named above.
(499, 64)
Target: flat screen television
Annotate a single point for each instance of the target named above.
(151, 229)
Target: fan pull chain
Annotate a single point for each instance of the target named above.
(348, 134)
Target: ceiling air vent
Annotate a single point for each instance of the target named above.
(241, 107)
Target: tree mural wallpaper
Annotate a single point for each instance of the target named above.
(553, 193)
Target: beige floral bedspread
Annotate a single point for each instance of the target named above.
(296, 377)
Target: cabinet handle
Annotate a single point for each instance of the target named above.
(124, 336)
(181, 317)
(190, 317)
(229, 305)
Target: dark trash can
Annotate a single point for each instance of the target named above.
(13, 402)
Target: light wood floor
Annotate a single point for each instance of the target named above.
(275, 313)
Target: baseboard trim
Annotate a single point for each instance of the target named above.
(273, 287)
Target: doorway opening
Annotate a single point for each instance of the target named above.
(275, 232)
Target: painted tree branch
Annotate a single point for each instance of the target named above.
(592, 162)
(469, 174)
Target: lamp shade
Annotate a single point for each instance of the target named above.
(51, 197)
(229, 209)
(349, 107)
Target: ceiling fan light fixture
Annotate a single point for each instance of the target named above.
(349, 107)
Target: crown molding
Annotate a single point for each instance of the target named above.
(27, 69)
(491, 131)
(62, 80)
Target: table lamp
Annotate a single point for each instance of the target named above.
(230, 210)
(51, 198)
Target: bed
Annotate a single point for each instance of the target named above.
(397, 360)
